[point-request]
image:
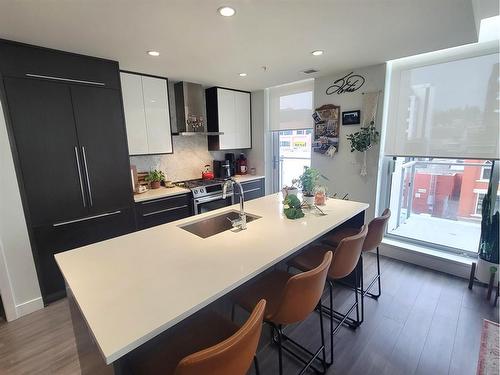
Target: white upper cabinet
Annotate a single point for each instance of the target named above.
(228, 111)
(147, 117)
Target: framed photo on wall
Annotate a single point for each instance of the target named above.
(351, 117)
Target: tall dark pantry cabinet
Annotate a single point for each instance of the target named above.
(66, 129)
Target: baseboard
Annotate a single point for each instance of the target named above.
(28, 307)
(448, 263)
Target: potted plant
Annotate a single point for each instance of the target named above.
(155, 178)
(488, 243)
(291, 190)
(363, 140)
(308, 182)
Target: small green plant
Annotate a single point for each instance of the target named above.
(155, 176)
(292, 209)
(308, 181)
(365, 138)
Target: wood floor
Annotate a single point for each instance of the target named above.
(425, 322)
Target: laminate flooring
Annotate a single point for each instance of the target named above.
(425, 322)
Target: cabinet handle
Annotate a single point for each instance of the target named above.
(250, 190)
(163, 199)
(80, 176)
(65, 79)
(87, 175)
(86, 218)
(165, 210)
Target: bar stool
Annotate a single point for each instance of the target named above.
(290, 299)
(376, 230)
(206, 344)
(344, 262)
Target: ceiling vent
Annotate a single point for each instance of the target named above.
(310, 71)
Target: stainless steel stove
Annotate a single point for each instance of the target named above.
(207, 194)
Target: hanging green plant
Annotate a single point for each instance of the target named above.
(365, 138)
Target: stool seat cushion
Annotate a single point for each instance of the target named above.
(309, 259)
(269, 287)
(335, 238)
(193, 334)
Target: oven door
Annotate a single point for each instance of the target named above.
(211, 203)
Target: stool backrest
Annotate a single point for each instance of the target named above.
(302, 293)
(376, 230)
(232, 356)
(347, 254)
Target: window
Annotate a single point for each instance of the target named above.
(433, 202)
(441, 129)
(290, 120)
(486, 171)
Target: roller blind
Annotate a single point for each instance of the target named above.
(445, 104)
(291, 106)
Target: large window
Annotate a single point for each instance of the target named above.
(441, 130)
(294, 154)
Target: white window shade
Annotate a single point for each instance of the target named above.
(445, 104)
(291, 106)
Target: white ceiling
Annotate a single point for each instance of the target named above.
(199, 45)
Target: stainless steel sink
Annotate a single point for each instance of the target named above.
(216, 224)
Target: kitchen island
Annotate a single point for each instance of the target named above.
(127, 290)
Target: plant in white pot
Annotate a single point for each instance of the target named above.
(308, 181)
(488, 243)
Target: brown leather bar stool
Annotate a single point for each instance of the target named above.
(345, 260)
(376, 230)
(290, 299)
(205, 344)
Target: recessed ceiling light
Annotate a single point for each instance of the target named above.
(226, 11)
(243, 74)
(153, 53)
(318, 52)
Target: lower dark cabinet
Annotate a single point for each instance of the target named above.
(53, 239)
(252, 190)
(163, 210)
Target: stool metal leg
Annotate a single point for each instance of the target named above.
(376, 279)
(256, 365)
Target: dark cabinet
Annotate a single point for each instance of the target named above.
(22, 60)
(56, 238)
(70, 149)
(252, 189)
(102, 139)
(163, 210)
(47, 148)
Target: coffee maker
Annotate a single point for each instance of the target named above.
(225, 168)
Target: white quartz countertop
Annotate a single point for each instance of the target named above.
(163, 192)
(131, 288)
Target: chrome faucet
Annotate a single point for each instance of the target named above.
(241, 222)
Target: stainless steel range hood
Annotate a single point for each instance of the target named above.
(190, 109)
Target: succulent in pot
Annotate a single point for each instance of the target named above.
(292, 189)
(155, 178)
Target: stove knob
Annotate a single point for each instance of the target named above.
(195, 191)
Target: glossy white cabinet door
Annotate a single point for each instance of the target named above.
(243, 135)
(135, 118)
(227, 118)
(157, 115)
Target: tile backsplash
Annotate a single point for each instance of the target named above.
(189, 157)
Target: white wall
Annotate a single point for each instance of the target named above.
(18, 280)
(343, 170)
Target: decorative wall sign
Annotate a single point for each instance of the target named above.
(326, 129)
(349, 83)
(351, 117)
